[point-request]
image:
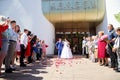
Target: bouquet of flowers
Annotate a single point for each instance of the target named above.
(46, 45)
(105, 38)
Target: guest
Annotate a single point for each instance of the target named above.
(17, 30)
(96, 48)
(84, 46)
(17, 52)
(38, 49)
(13, 37)
(32, 42)
(111, 37)
(28, 48)
(3, 43)
(101, 49)
(116, 48)
(23, 46)
(91, 49)
(18, 49)
(44, 46)
(27, 53)
(87, 47)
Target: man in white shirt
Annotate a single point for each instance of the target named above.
(116, 48)
(84, 46)
(23, 46)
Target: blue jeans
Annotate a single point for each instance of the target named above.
(4, 47)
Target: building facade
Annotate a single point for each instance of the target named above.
(50, 19)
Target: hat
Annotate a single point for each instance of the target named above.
(2, 19)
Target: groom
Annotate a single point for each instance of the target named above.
(59, 46)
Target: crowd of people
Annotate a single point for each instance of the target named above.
(100, 47)
(15, 45)
(26, 47)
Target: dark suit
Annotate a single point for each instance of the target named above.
(59, 46)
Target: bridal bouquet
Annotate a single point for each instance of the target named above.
(105, 38)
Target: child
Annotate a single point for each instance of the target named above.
(95, 48)
(91, 49)
(86, 47)
(44, 46)
(116, 48)
(37, 49)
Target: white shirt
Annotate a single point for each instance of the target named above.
(40, 45)
(24, 39)
(117, 44)
(84, 43)
(95, 42)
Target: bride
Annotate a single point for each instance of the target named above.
(66, 51)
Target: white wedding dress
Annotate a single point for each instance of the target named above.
(66, 51)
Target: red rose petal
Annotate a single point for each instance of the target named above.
(60, 72)
(56, 70)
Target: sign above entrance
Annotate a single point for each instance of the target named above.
(68, 5)
(74, 10)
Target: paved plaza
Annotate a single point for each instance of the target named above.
(63, 69)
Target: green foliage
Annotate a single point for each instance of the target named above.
(117, 16)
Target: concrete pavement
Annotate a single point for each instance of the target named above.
(63, 69)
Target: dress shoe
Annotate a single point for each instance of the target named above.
(13, 68)
(101, 64)
(115, 68)
(8, 70)
(1, 76)
(22, 65)
(112, 66)
(106, 65)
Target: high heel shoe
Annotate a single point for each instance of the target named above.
(106, 65)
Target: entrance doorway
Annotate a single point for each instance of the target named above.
(74, 33)
(75, 39)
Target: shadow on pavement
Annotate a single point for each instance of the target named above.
(31, 72)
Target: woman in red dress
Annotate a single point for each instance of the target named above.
(101, 49)
(28, 47)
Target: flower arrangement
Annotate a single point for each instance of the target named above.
(105, 38)
(46, 45)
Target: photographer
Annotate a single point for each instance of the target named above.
(3, 41)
